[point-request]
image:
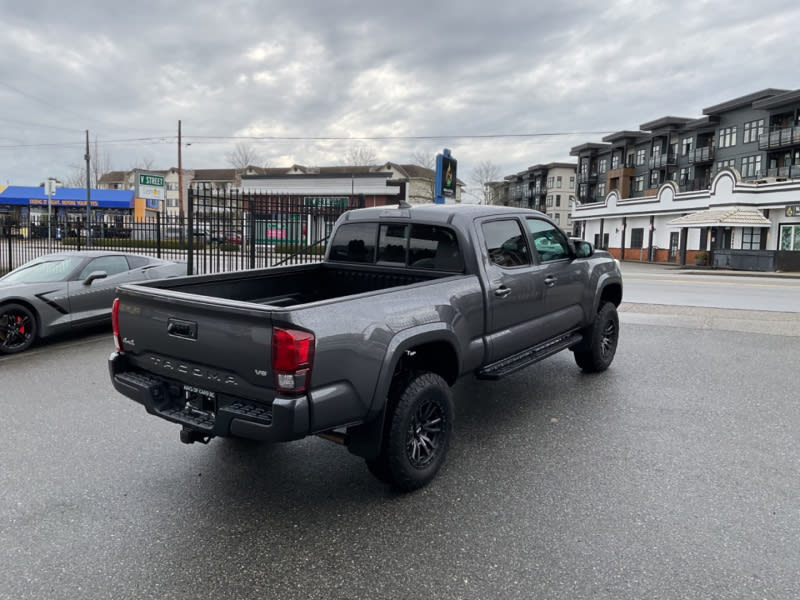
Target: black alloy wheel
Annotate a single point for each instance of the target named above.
(17, 328)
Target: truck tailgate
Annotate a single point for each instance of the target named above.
(181, 337)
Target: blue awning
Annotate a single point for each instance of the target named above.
(67, 197)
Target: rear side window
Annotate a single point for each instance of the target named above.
(354, 242)
(505, 243)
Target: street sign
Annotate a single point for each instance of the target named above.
(150, 187)
(154, 180)
(326, 201)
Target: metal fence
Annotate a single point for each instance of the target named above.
(222, 231)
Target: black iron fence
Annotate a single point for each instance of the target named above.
(222, 231)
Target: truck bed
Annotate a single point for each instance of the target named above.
(295, 285)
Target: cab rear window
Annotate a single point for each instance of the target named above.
(399, 244)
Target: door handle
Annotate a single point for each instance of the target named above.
(550, 281)
(502, 291)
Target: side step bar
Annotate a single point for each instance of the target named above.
(514, 363)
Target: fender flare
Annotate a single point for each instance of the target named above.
(365, 440)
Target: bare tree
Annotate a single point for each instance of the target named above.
(422, 158)
(99, 164)
(483, 174)
(244, 155)
(361, 156)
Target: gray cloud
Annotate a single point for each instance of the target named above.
(350, 69)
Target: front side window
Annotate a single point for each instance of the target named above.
(111, 265)
(505, 243)
(549, 242)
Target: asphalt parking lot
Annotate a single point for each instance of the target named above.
(672, 475)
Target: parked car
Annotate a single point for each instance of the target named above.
(68, 290)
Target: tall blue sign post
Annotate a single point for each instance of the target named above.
(445, 184)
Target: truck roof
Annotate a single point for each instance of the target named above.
(442, 213)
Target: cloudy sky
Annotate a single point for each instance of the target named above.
(311, 82)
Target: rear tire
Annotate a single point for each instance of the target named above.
(599, 345)
(17, 328)
(419, 427)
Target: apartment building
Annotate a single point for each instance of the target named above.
(549, 188)
(726, 184)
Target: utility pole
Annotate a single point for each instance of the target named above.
(180, 176)
(88, 197)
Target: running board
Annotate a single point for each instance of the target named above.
(514, 363)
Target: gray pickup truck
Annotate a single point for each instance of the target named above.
(363, 348)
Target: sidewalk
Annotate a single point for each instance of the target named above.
(693, 269)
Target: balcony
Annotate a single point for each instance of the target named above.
(779, 138)
(694, 185)
(587, 177)
(701, 155)
(790, 172)
(665, 160)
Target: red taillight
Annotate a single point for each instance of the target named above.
(292, 358)
(115, 324)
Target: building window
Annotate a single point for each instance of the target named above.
(641, 156)
(615, 161)
(172, 186)
(558, 181)
(550, 200)
(751, 166)
(637, 237)
(790, 237)
(722, 164)
(572, 182)
(686, 146)
(685, 175)
(727, 137)
(654, 178)
(550, 182)
(638, 183)
(751, 238)
(601, 190)
(558, 199)
(603, 165)
(558, 218)
(752, 130)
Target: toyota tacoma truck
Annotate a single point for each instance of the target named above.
(364, 347)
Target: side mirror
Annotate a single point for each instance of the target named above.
(583, 249)
(94, 275)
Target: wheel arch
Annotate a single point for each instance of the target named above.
(27, 304)
(427, 348)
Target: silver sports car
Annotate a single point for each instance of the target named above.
(59, 292)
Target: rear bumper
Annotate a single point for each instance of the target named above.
(283, 420)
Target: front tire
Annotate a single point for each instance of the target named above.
(599, 345)
(420, 425)
(17, 328)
